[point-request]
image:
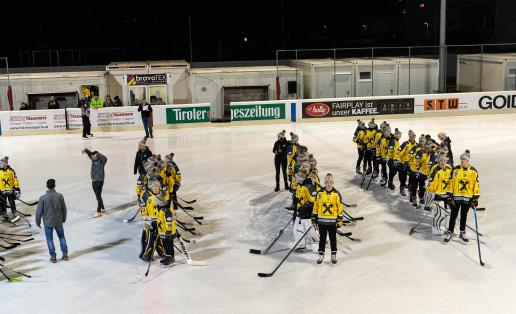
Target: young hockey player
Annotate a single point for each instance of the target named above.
(306, 192)
(393, 158)
(376, 151)
(445, 140)
(368, 139)
(403, 166)
(414, 165)
(166, 225)
(436, 191)
(382, 148)
(280, 151)
(358, 138)
(292, 155)
(149, 210)
(327, 216)
(465, 192)
(9, 190)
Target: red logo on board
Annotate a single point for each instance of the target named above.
(317, 110)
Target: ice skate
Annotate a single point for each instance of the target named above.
(463, 237)
(334, 257)
(320, 258)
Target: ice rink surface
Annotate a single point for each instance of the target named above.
(230, 171)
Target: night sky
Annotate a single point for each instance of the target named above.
(151, 31)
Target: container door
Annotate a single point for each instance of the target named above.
(384, 84)
(343, 83)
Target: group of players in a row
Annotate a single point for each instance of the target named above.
(432, 176)
(313, 204)
(156, 188)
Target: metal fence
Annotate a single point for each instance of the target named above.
(342, 72)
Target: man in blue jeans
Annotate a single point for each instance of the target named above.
(146, 111)
(52, 208)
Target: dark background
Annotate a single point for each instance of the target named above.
(101, 32)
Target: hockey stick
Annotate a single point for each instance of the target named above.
(18, 234)
(478, 239)
(348, 235)
(29, 204)
(351, 217)
(196, 219)
(6, 277)
(349, 205)
(467, 226)
(24, 219)
(11, 245)
(363, 179)
(24, 214)
(288, 254)
(184, 207)
(150, 258)
(255, 251)
(182, 226)
(368, 184)
(187, 202)
(187, 255)
(26, 240)
(15, 271)
(132, 218)
(419, 222)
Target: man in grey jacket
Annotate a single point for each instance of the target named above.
(52, 208)
(98, 162)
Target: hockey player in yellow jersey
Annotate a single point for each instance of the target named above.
(306, 192)
(368, 139)
(382, 148)
(414, 161)
(149, 211)
(9, 190)
(166, 225)
(358, 139)
(292, 154)
(437, 189)
(464, 193)
(375, 151)
(393, 157)
(171, 171)
(327, 216)
(403, 166)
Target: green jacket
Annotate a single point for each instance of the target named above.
(96, 103)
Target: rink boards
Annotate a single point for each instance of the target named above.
(34, 122)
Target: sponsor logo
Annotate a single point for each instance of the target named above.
(497, 102)
(317, 110)
(146, 79)
(188, 115)
(441, 104)
(257, 112)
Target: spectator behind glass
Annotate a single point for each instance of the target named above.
(53, 103)
(96, 102)
(24, 106)
(118, 102)
(109, 102)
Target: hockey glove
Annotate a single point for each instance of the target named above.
(474, 202)
(17, 193)
(176, 186)
(340, 223)
(314, 221)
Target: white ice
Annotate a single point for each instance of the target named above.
(230, 171)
